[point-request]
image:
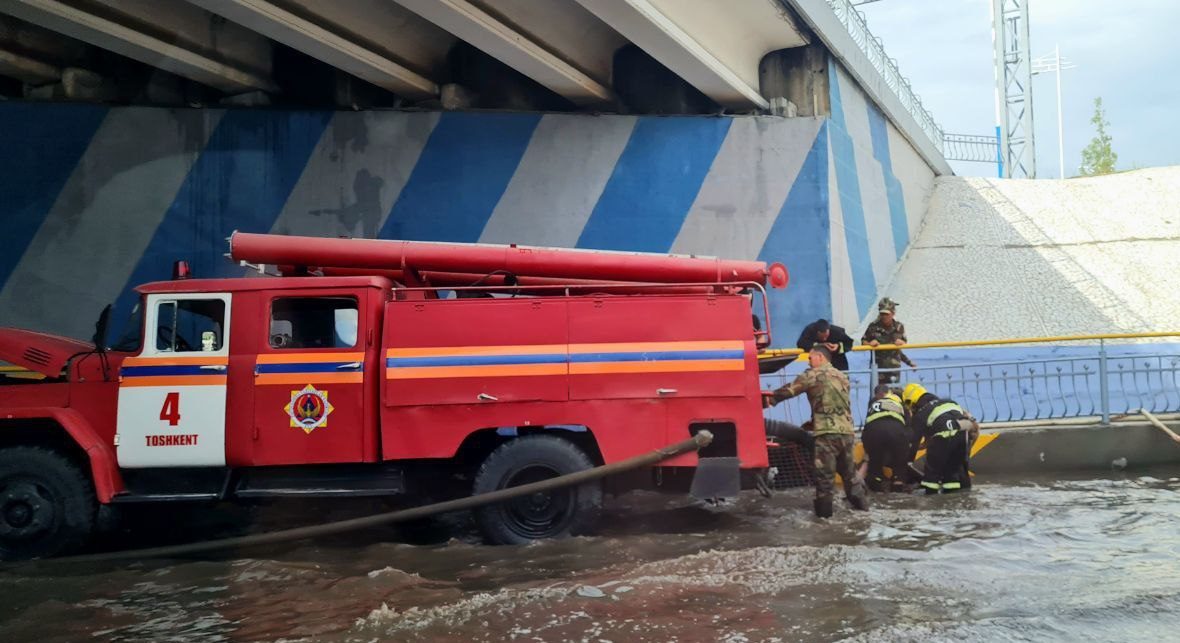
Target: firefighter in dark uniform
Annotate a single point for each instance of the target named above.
(949, 432)
(886, 439)
(831, 419)
(835, 338)
(885, 329)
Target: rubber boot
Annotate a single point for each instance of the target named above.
(859, 503)
(823, 507)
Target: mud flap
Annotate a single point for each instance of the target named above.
(716, 478)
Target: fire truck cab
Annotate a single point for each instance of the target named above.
(355, 384)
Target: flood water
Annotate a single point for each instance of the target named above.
(1092, 558)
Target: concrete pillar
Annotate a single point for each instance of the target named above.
(795, 81)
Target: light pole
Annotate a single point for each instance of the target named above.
(1055, 63)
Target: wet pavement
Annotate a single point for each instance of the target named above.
(1092, 558)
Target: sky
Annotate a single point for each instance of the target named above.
(1127, 52)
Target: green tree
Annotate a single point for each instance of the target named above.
(1098, 157)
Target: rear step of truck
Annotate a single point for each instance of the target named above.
(210, 484)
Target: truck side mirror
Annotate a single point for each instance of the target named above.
(100, 329)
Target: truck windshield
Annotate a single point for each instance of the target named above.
(130, 337)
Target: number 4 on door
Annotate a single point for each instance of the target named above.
(170, 412)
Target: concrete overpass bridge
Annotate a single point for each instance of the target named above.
(136, 131)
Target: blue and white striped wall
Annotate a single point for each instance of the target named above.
(95, 200)
(879, 189)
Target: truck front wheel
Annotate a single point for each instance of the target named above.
(550, 514)
(47, 506)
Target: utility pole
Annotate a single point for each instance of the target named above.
(1014, 105)
(1055, 63)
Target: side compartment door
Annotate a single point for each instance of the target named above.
(475, 351)
(309, 380)
(172, 395)
(653, 358)
(655, 348)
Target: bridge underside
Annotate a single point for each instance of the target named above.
(732, 131)
(501, 54)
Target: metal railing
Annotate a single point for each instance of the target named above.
(1096, 380)
(872, 47)
(972, 148)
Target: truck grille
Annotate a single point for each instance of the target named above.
(37, 356)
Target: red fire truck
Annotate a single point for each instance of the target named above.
(381, 368)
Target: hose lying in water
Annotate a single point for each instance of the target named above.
(1160, 425)
(698, 441)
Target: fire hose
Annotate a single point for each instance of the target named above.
(698, 441)
(1160, 425)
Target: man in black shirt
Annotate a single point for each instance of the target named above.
(833, 337)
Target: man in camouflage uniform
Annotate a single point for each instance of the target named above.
(831, 418)
(887, 330)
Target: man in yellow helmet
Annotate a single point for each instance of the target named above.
(886, 440)
(949, 431)
(831, 418)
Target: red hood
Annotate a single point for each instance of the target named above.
(45, 354)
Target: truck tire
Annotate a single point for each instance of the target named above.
(47, 505)
(555, 514)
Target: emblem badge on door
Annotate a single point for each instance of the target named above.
(309, 409)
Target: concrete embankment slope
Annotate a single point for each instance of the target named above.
(1003, 258)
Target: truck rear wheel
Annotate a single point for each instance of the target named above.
(47, 505)
(552, 514)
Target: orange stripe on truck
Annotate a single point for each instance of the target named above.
(309, 378)
(679, 366)
(490, 370)
(174, 380)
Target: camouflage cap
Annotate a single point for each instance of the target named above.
(887, 305)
